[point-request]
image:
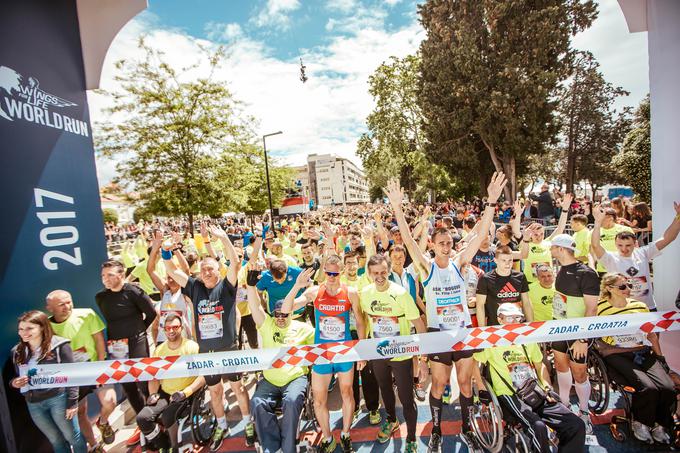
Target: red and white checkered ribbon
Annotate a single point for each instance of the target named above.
(118, 371)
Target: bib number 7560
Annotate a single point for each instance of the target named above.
(53, 236)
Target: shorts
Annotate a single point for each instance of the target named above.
(215, 379)
(565, 348)
(332, 368)
(448, 357)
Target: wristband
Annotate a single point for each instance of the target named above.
(265, 228)
(166, 254)
(492, 205)
(677, 217)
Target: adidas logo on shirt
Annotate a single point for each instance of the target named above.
(508, 291)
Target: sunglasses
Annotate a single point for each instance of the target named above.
(280, 315)
(332, 274)
(172, 328)
(622, 287)
(515, 318)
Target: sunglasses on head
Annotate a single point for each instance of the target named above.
(332, 274)
(280, 315)
(171, 328)
(622, 286)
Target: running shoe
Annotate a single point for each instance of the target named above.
(419, 392)
(134, 439)
(328, 446)
(446, 396)
(386, 430)
(585, 416)
(107, 432)
(356, 415)
(660, 434)
(435, 444)
(411, 446)
(642, 432)
(250, 434)
(374, 417)
(99, 448)
(346, 444)
(218, 438)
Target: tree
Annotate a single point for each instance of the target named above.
(110, 215)
(174, 136)
(488, 73)
(635, 161)
(590, 130)
(394, 144)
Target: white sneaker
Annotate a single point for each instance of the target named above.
(585, 416)
(642, 433)
(660, 434)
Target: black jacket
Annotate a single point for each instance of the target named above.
(545, 204)
(60, 352)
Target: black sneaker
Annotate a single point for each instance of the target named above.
(346, 444)
(251, 437)
(435, 444)
(218, 438)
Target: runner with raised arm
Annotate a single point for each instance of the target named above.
(446, 300)
(333, 302)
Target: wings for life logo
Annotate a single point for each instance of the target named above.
(394, 347)
(21, 98)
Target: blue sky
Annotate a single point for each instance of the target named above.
(341, 41)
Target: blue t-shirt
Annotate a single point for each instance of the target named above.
(278, 291)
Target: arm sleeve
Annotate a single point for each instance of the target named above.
(145, 305)
(95, 323)
(66, 355)
(590, 283)
(483, 285)
(188, 289)
(608, 261)
(524, 285)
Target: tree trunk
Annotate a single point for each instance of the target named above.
(191, 223)
(507, 166)
(571, 171)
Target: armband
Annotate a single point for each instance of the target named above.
(166, 254)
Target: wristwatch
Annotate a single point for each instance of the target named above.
(493, 205)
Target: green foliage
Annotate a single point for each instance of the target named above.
(393, 146)
(489, 71)
(635, 162)
(590, 130)
(110, 215)
(142, 214)
(186, 146)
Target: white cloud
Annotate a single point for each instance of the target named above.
(361, 18)
(276, 14)
(324, 115)
(223, 32)
(343, 6)
(392, 2)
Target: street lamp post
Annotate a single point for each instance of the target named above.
(266, 170)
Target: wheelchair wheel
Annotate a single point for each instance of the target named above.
(599, 381)
(486, 419)
(308, 412)
(203, 421)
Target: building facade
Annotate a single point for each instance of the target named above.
(334, 180)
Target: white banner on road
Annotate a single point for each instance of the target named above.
(145, 369)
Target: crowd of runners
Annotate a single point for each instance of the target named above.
(365, 271)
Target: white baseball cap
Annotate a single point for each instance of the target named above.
(509, 310)
(565, 241)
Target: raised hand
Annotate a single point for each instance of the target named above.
(204, 230)
(598, 213)
(157, 239)
(676, 206)
(566, 201)
(530, 230)
(496, 186)
(394, 192)
(304, 279)
(218, 232)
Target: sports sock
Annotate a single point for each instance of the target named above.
(564, 381)
(222, 422)
(583, 392)
(436, 411)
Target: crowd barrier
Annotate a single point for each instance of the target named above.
(144, 369)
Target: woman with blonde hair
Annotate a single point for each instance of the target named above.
(635, 360)
(53, 410)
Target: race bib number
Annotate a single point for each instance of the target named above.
(534, 266)
(118, 349)
(451, 317)
(210, 326)
(559, 306)
(630, 341)
(81, 355)
(331, 328)
(385, 326)
(520, 373)
(639, 286)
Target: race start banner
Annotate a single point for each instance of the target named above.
(628, 327)
(52, 234)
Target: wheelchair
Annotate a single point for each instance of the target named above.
(493, 431)
(307, 423)
(197, 412)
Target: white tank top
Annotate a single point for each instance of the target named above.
(446, 301)
(172, 303)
